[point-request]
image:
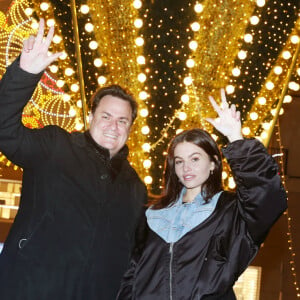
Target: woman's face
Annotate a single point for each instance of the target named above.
(192, 165)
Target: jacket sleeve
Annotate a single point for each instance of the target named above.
(261, 196)
(20, 144)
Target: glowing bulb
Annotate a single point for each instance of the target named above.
(60, 83)
(264, 135)
(44, 6)
(260, 3)
(254, 116)
(294, 86)
(246, 130)
(137, 4)
(144, 112)
(34, 25)
(185, 98)
(195, 26)
(89, 27)
(28, 11)
(79, 103)
(74, 87)
(72, 112)
(53, 68)
(101, 80)
(236, 72)
(248, 38)
(139, 41)
(269, 85)
(57, 39)
(286, 54)
(148, 179)
(78, 126)
(295, 39)
(143, 95)
(193, 45)
(190, 63)
(230, 89)
(145, 130)
(179, 130)
(242, 54)
(66, 97)
(188, 80)
(142, 77)
(63, 56)
(146, 147)
(254, 20)
(84, 9)
(224, 175)
(69, 71)
(141, 60)
(147, 163)
(182, 116)
(278, 70)
(93, 45)
(262, 100)
(266, 126)
(198, 8)
(50, 22)
(231, 183)
(138, 23)
(287, 99)
(98, 62)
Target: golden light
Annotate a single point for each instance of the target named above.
(34, 25)
(294, 86)
(144, 112)
(44, 6)
(84, 9)
(78, 126)
(137, 4)
(145, 130)
(101, 80)
(260, 3)
(148, 179)
(179, 130)
(264, 135)
(28, 11)
(60, 83)
(98, 62)
(242, 54)
(254, 20)
(141, 60)
(248, 38)
(142, 77)
(53, 68)
(270, 85)
(254, 116)
(295, 39)
(188, 80)
(66, 97)
(146, 147)
(147, 163)
(63, 55)
(195, 26)
(182, 116)
(89, 27)
(236, 72)
(50, 22)
(246, 130)
(266, 126)
(286, 54)
(193, 45)
(93, 45)
(139, 41)
(231, 183)
(224, 175)
(143, 95)
(230, 89)
(198, 8)
(262, 100)
(190, 63)
(69, 71)
(185, 98)
(57, 39)
(74, 87)
(138, 23)
(72, 112)
(79, 103)
(287, 99)
(278, 70)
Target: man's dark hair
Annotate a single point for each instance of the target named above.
(115, 91)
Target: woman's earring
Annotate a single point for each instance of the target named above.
(211, 172)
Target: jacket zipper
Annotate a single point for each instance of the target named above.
(170, 269)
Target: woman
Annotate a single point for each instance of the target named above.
(197, 239)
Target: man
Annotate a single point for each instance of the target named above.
(80, 197)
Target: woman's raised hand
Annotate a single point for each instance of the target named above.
(228, 121)
(34, 56)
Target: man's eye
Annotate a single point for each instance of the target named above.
(123, 122)
(105, 117)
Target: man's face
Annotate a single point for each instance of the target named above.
(110, 124)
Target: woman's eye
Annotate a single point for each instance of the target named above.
(177, 162)
(194, 159)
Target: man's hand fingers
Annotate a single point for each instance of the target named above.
(49, 37)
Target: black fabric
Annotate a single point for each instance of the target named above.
(74, 230)
(206, 262)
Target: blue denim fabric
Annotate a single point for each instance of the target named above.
(174, 222)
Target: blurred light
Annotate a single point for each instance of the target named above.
(137, 4)
(260, 3)
(139, 41)
(98, 62)
(254, 116)
(146, 147)
(230, 89)
(242, 54)
(89, 27)
(138, 23)
(147, 163)
(143, 95)
(66, 97)
(278, 70)
(198, 8)
(50, 22)
(185, 98)
(193, 45)
(254, 20)
(145, 130)
(190, 63)
(246, 130)
(142, 77)
(101, 80)
(141, 60)
(84, 9)
(236, 72)
(294, 86)
(148, 180)
(287, 99)
(248, 38)
(60, 83)
(195, 26)
(188, 80)
(286, 54)
(44, 6)
(262, 100)
(93, 45)
(269, 85)
(182, 116)
(144, 112)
